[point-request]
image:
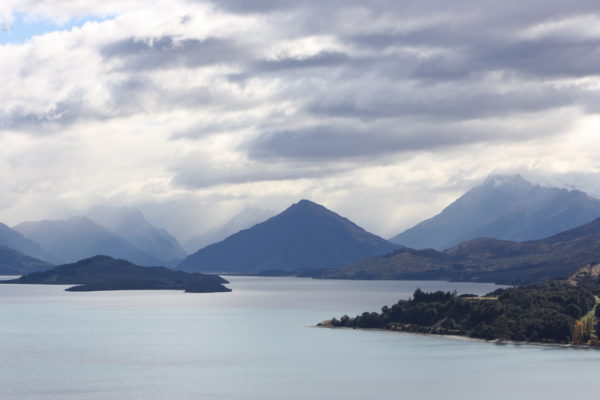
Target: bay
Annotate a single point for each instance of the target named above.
(257, 343)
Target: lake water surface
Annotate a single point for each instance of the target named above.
(255, 343)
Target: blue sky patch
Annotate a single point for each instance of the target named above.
(24, 28)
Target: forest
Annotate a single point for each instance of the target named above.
(552, 312)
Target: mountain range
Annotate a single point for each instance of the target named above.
(131, 225)
(78, 238)
(487, 260)
(486, 235)
(16, 241)
(13, 262)
(304, 236)
(113, 231)
(506, 208)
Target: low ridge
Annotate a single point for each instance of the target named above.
(487, 260)
(101, 273)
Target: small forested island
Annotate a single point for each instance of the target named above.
(558, 311)
(103, 273)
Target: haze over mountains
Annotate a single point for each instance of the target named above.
(78, 238)
(16, 241)
(13, 262)
(309, 237)
(244, 220)
(503, 207)
(130, 224)
(304, 236)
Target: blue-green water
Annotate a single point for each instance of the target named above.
(254, 343)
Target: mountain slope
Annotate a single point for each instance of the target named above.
(247, 219)
(131, 225)
(79, 238)
(13, 262)
(107, 273)
(487, 260)
(305, 236)
(16, 241)
(503, 207)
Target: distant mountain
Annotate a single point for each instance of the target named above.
(79, 238)
(15, 240)
(244, 220)
(107, 273)
(13, 262)
(305, 236)
(503, 207)
(130, 224)
(487, 260)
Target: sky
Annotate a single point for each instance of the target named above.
(384, 111)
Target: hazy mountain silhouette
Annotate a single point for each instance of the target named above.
(79, 238)
(244, 220)
(487, 260)
(503, 207)
(130, 224)
(13, 262)
(304, 236)
(15, 240)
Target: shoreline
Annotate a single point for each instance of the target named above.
(500, 342)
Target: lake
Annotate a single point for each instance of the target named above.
(256, 343)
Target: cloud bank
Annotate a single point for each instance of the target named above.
(383, 110)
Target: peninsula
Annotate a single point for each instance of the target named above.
(558, 311)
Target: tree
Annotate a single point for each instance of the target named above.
(578, 333)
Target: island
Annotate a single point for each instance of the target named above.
(562, 311)
(103, 273)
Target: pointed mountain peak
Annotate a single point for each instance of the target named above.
(505, 207)
(80, 220)
(306, 205)
(304, 236)
(104, 212)
(497, 180)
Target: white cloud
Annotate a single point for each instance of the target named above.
(195, 110)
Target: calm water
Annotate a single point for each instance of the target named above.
(254, 343)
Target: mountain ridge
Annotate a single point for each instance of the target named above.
(487, 260)
(503, 207)
(132, 225)
(78, 238)
(304, 236)
(13, 262)
(13, 239)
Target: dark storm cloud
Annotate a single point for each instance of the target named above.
(322, 59)
(468, 53)
(464, 104)
(318, 143)
(167, 51)
(197, 174)
(549, 57)
(281, 66)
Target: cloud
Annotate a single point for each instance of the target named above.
(137, 54)
(261, 101)
(366, 142)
